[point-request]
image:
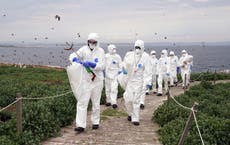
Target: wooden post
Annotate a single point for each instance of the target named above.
(188, 124)
(215, 77)
(19, 113)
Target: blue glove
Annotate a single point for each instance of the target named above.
(148, 86)
(89, 64)
(178, 70)
(96, 60)
(75, 59)
(124, 71)
(190, 67)
(168, 74)
(119, 72)
(139, 65)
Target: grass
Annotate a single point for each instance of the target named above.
(113, 113)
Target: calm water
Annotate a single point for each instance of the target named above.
(208, 57)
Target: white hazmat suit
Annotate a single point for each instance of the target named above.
(163, 72)
(147, 79)
(154, 62)
(185, 65)
(136, 66)
(174, 64)
(113, 64)
(93, 57)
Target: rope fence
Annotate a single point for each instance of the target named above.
(191, 117)
(40, 98)
(49, 97)
(9, 105)
(197, 126)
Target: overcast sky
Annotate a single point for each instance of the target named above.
(115, 20)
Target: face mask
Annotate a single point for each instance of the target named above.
(114, 51)
(138, 51)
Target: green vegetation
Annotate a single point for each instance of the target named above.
(209, 76)
(213, 115)
(41, 118)
(113, 112)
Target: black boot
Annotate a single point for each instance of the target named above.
(142, 106)
(167, 93)
(147, 93)
(114, 106)
(79, 130)
(108, 104)
(159, 94)
(129, 118)
(95, 126)
(136, 123)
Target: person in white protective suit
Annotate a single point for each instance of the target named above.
(90, 56)
(185, 66)
(113, 65)
(147, 80)
(135, 65)
(163, 72)
(153, 62)
(174, 68)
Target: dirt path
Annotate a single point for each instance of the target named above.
(117, 130)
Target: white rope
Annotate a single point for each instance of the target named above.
(47, 97)
(198, 77)
(9, 105)
(178, 102)
(193, 112)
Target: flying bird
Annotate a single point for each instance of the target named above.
(57, 17)
(78, 35)
(165, 37)
(35, 38)
(46, 38)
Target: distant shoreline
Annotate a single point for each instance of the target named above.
(33, 66)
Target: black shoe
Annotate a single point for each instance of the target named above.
(146, 93)
(154, 92)
(167, 93)
(108, 104)
(95, 126)
(142, 106)
(79, 130)
(136, 123)
(159, 94)
(129, 118)
(114, 106)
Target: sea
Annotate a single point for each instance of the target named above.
(206, 57)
